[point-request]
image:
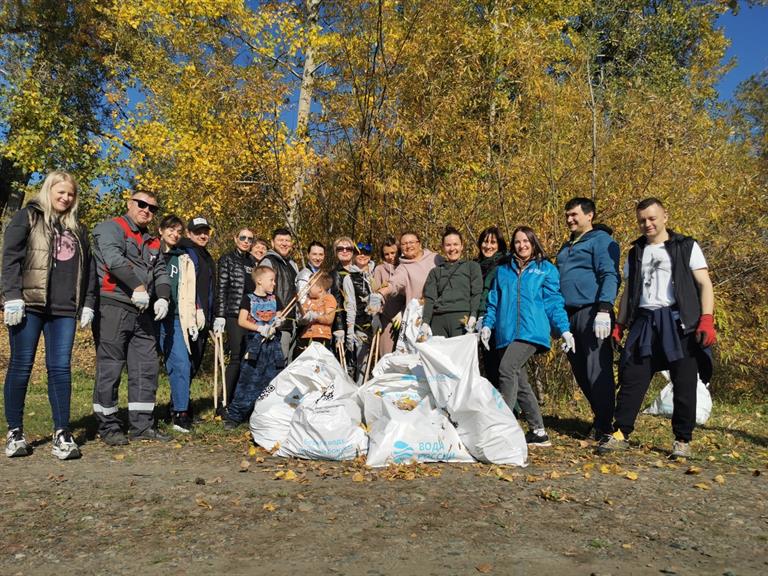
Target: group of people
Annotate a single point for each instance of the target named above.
(146, 294)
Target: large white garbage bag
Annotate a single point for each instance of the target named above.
(409, 328)
(325, 428)
(423, 434)
(406, 390)
(316, 369)
(663, 404)
(485, 423)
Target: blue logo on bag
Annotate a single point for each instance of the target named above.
(402, 452)
(499, 399)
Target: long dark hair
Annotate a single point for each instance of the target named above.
(538, 253)
(491, 231)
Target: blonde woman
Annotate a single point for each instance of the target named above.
(48, 280)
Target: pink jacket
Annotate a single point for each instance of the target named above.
(395, 303)
(411, 275)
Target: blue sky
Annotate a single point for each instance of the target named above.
(748, 33)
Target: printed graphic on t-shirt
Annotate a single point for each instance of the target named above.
(261, 309)
(64, 245)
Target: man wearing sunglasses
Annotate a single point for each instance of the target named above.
(132, 274)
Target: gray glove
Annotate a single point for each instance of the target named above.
(569, 343)
(161, 309)
(266, 331)
(602, 325)
(86, 316)
(471, 324)
(13, 312)
(485, 337)
(376, 323)
(193, 333)
(338, 336)
(140, 299)
(219, 324)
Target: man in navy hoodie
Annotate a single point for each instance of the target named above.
(589, 280)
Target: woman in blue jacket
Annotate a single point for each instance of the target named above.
(524, 307)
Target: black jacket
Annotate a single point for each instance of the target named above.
(337, 291)
(234, 274)
(285, 287)
(205, 268)
(686, 291)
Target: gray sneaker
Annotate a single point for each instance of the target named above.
(16, 444)
(64, 446)
(612, 443)
(680, 450)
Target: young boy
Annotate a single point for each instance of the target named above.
(319, 310)
(264, 358)
(357, 292)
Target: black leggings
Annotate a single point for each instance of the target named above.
(236, 342)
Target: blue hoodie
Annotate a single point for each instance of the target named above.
(589, 269)
(526, 305)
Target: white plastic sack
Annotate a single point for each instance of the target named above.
(325, 428)
(409, 328)
(423, 434)
(391, 389)
(485, 423)
(316, 369)
(663, 405)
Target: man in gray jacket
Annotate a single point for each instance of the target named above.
(131, 272)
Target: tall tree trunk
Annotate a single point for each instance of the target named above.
(302, 119)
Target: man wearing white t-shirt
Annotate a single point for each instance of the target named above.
(667, 305)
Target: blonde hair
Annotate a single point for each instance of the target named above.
(68, 219)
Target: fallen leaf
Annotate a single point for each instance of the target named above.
(203, 504)
(605, 469)
(506, 478)
(631, 476)
(252, 451)
(120, 456)
(484, 568)
(279, 474)
(693, 470)
(719, 479)
(289, 475)
(244, 465)
(584, 443)
(269, 507)
(626, 546)
(358, 477)
(587, 475)
(177, 445)
(710, 458)
(554, 475)
(756, 472)
(702, 486)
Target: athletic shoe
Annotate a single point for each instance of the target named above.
(150, 434)
(612, 443)
(114, 438)
(64, 446)
(16, 444)
(230, 424)
(680, 449)
(534, 439)
(182, 422)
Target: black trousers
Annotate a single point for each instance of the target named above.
(236, 345)
(635, 376)
(592, 366)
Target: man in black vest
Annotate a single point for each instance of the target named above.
(278, 258)
(667, 305)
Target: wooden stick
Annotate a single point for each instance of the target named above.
(215, 371)
(374, 339)
(292, 302)
(223, 371)
(342, 359)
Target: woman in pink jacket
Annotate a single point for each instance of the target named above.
(411, 274)
(394, 306)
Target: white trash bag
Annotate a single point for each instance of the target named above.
(409, 328)
(663, 404)
(485, 423)
(325, 428)
(316, 369)
(423, 434)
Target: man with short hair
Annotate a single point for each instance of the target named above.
(286, 270)
(131, 273)
(667, 304)
(589, 281)
(195, 244)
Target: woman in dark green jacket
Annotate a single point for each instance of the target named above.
(452, 292)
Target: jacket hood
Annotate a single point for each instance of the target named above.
(271, 252)
(596, 229)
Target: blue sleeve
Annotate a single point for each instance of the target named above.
(554, 304)
(606, 263)
(492, 303)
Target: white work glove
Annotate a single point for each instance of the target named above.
(355, 339)
(193, 333)
(86, 316)
(13, 312)
(338, 336)
(218, 325)
(485, 337)
(161, 309)
(309, 317)
(375, 303)
(278, 321)
(471, 324)
(266, 331)
(569, 344)
(602, 325)
(425, 332)
(140, 299)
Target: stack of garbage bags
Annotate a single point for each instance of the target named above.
(429, 406)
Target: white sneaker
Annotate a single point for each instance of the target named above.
(16, 444)
(64, 446)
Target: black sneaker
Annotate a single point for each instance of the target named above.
(114, 438)
(150, 434)
(182, 422)
(534, 439)
(64, 446)
(230, 424)
(16, 444)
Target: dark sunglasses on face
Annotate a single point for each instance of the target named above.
(153, 208)
(245, 238)
(344, 249)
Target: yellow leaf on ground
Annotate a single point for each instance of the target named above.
(120, 456)
(484, 568)
(289, 475)
(702, 486)
(269, 507)
(279, 473)
(244, 465)
(358, 477)
(626, 546)
(252, 451)
(605, 469)
(631, 476)
(693, 470)
(719, 479)
(554, 475)
(203, 504)
(177, 445)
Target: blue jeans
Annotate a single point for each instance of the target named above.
(59, 333)
(264, 363)
(178, 363)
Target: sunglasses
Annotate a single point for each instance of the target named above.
(366, 247)
(245, 238)
(344, 249)
(153, 208)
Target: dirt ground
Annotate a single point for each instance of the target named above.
(203, 506)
